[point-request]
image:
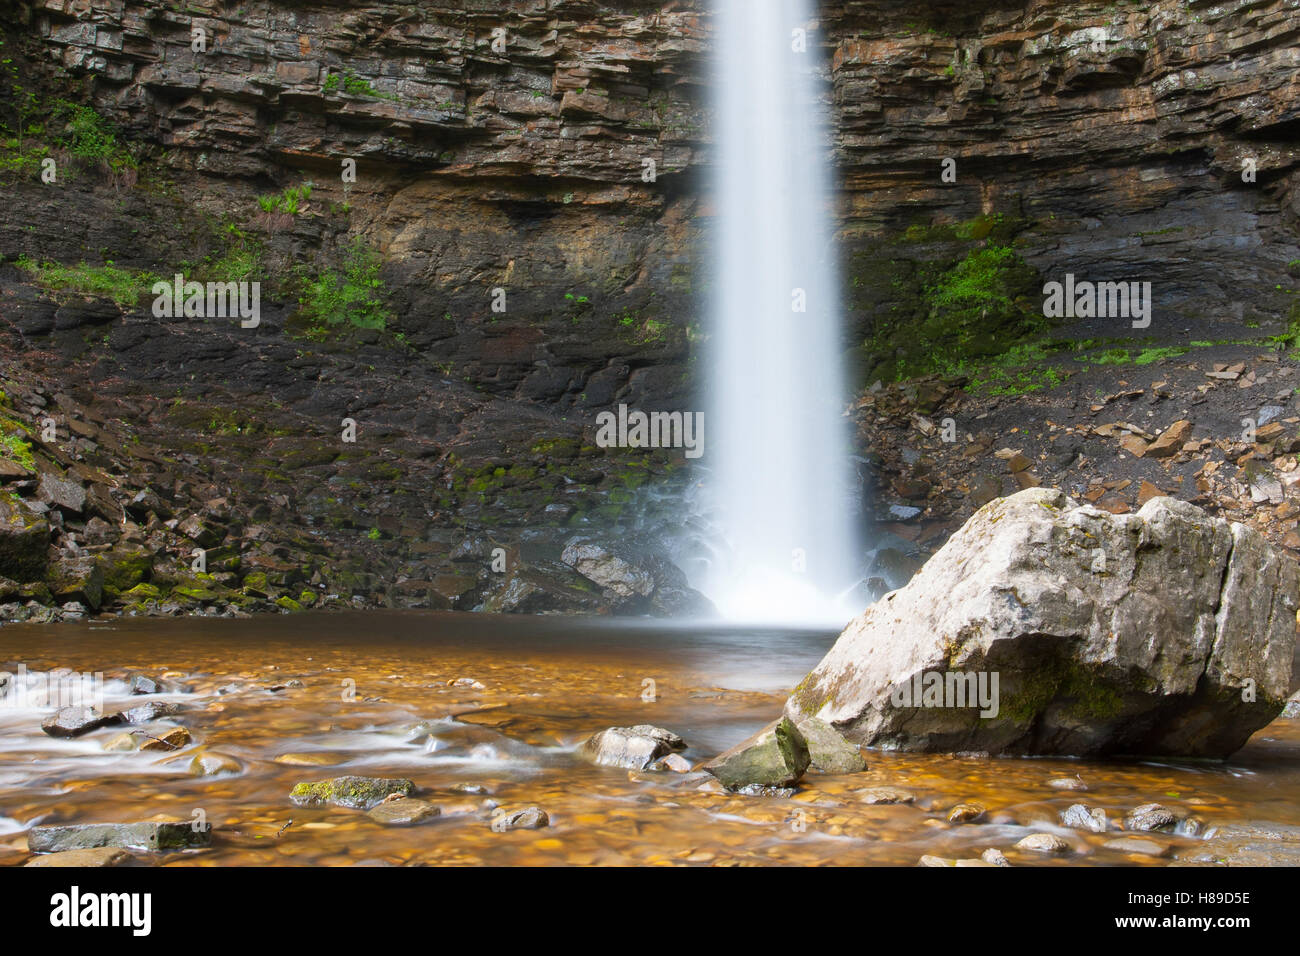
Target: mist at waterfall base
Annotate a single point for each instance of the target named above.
(778, 480)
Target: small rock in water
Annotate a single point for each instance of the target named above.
(1150, 816)
(403, 811)
(142, 836)
(467, 682)
(212, 764)
(1067, 783)
(471, 788)
(75, 721)
(966, 813)
(995, 857)
(530, 818)
(97, 857)
(885, 795)
(1080, 817)
(937, 861)
(172, 739)
(150, 711)
(758, 790)
(1137, 845)
(673, 763)
(903, 512)
(633, 748)
(357, 793)
(122, 743)
(140, 684)
(776, 756)
(1043, 843)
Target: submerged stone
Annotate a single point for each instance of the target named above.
(530, 818)
(403, 811)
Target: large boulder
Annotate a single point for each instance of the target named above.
(1161, 632)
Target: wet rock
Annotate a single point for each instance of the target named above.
(122, 743)
(167, 740)
(759, 790)
(1067, 783)
(530, 818)
(828, 751)
(885, 795)
(1151, 657)
(97, 857)
(1043, 843)
(995, 857)
(75, 721)
(1150, 816)
(774, 757)
(634, 748)
(404, 811)
(213, 764)
(143, 684)
(357, 793)
(1137, 845)
(150, 711)
(966, 813)
(673, 763)
(151, 836)
(1079, 817)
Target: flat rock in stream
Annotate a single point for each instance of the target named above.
(97, 857)
(403, 812)
(356, 793)
(776, 756)
(150, 836)
(1150, 816)
(633, 748)
(75, 721)
(1165, 632)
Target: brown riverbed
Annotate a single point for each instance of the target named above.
(547, 684)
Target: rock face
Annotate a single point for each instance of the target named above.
(1163, 632)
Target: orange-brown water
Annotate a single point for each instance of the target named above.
(547, 684)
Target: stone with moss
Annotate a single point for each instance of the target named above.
(24, 541)
(356, 793)
(776, 756)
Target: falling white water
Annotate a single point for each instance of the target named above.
(779, 459)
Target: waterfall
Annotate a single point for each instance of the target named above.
(779, 475)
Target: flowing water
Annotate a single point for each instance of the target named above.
(778, 454)
(270, 692)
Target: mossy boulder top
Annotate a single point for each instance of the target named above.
(1043, 627)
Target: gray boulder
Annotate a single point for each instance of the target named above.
(1162, 632)
(634, 748)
